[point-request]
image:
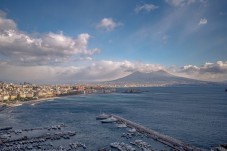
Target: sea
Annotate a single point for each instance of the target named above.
(196, 115)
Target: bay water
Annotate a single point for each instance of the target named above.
(196, 115)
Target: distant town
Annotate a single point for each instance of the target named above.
(11, 94)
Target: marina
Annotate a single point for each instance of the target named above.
(22, 140)
(164, 139)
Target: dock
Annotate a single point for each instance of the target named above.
(164, 139)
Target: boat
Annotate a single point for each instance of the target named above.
(109, 120)
(122, 146)
(132, 91)
(133, 130)
(115, 145)
(102, 116)
(121, 125)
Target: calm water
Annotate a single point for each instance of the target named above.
(196, 115)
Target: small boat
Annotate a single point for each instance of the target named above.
(133, 130)
(122, 125)
(132, 91)
(122, 146)
(104, 149)
(115, 145)
(109, 120)
(102, 116)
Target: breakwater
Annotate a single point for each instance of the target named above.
(164, 139)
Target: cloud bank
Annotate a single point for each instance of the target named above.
(182, 3)
(106, 70)
(209, 71)
(19, 47)
(96, 71)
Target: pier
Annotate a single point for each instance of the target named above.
(164, 139)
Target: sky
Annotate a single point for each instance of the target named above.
(54, 41)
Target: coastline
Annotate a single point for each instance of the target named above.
(4, 106)
(33, 102)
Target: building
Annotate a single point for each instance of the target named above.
(6, 97)
(30, 95)
(22, 95)
(13, 96)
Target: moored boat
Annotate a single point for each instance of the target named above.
(102, 116)
(133, 130)
(121, 125)
(109, 120)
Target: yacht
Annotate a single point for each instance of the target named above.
(115, 145)
(109, 120)
(121, 125)
(102, 116)
(133, 130)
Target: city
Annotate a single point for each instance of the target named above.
(14, 94)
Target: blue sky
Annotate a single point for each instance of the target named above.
(184, 37)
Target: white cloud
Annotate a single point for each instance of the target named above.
(21, 48)
(177, 3)
(108, 24)
(145, 7)
(181, 3)
(203, 21)
(6, 23)
(209, 71)
(218, 67)
(190, 68)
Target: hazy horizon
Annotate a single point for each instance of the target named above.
(78, 41)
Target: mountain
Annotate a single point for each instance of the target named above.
(156, 78)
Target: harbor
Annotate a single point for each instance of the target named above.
(164, 139)
(24, 139)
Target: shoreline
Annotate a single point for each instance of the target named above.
(4, 106)
(33, 102)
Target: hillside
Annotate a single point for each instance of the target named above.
(153, 78)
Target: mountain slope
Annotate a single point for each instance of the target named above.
(154, 78)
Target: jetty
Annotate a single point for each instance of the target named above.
(164, 139)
